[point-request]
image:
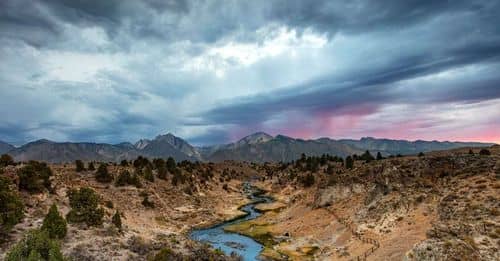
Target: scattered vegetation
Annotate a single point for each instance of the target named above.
(166, 254)
(34, 177)
(313, 163)
(36, 245)
(141, 162)
(203, 252)
(125, 178)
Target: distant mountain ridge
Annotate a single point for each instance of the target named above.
(262, 147)
(404, 147)
(283, 148)
(257, 147)
(279, 148)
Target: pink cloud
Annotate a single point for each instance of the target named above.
(452, 122)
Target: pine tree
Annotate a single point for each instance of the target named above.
(79, 166)
(84, 205)
(171, 166)
(329, 170)
(484, 152)
(162, 172)
(308, 180)
(147, 203)
(11, 207)
(367, 156)
(117, 220)
(379, 156)
(34, 177)
(102, 174)
(123, 179)
(91, 166)
(6, 160)
(349, 163)
(135, 180)
(55, 224)
(148, 174)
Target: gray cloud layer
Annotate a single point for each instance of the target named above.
(212, 70)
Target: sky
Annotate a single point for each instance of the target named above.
(214, 71)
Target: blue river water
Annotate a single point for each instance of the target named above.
(230, 242)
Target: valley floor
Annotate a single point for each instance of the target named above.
(441, 206)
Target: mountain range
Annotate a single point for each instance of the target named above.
(258, 147)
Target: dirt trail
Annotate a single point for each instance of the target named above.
(347, 222)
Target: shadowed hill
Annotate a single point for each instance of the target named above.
(5, 147)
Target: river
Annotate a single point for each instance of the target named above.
(229, 242)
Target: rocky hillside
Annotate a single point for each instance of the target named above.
(441, 206)
(156, 214)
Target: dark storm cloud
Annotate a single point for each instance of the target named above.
(374, 86)
(153, 43)
(115, 130)
(362, 16)
(213, 136)
(25, 21)
(210, 20)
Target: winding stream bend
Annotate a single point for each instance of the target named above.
(229, 242)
